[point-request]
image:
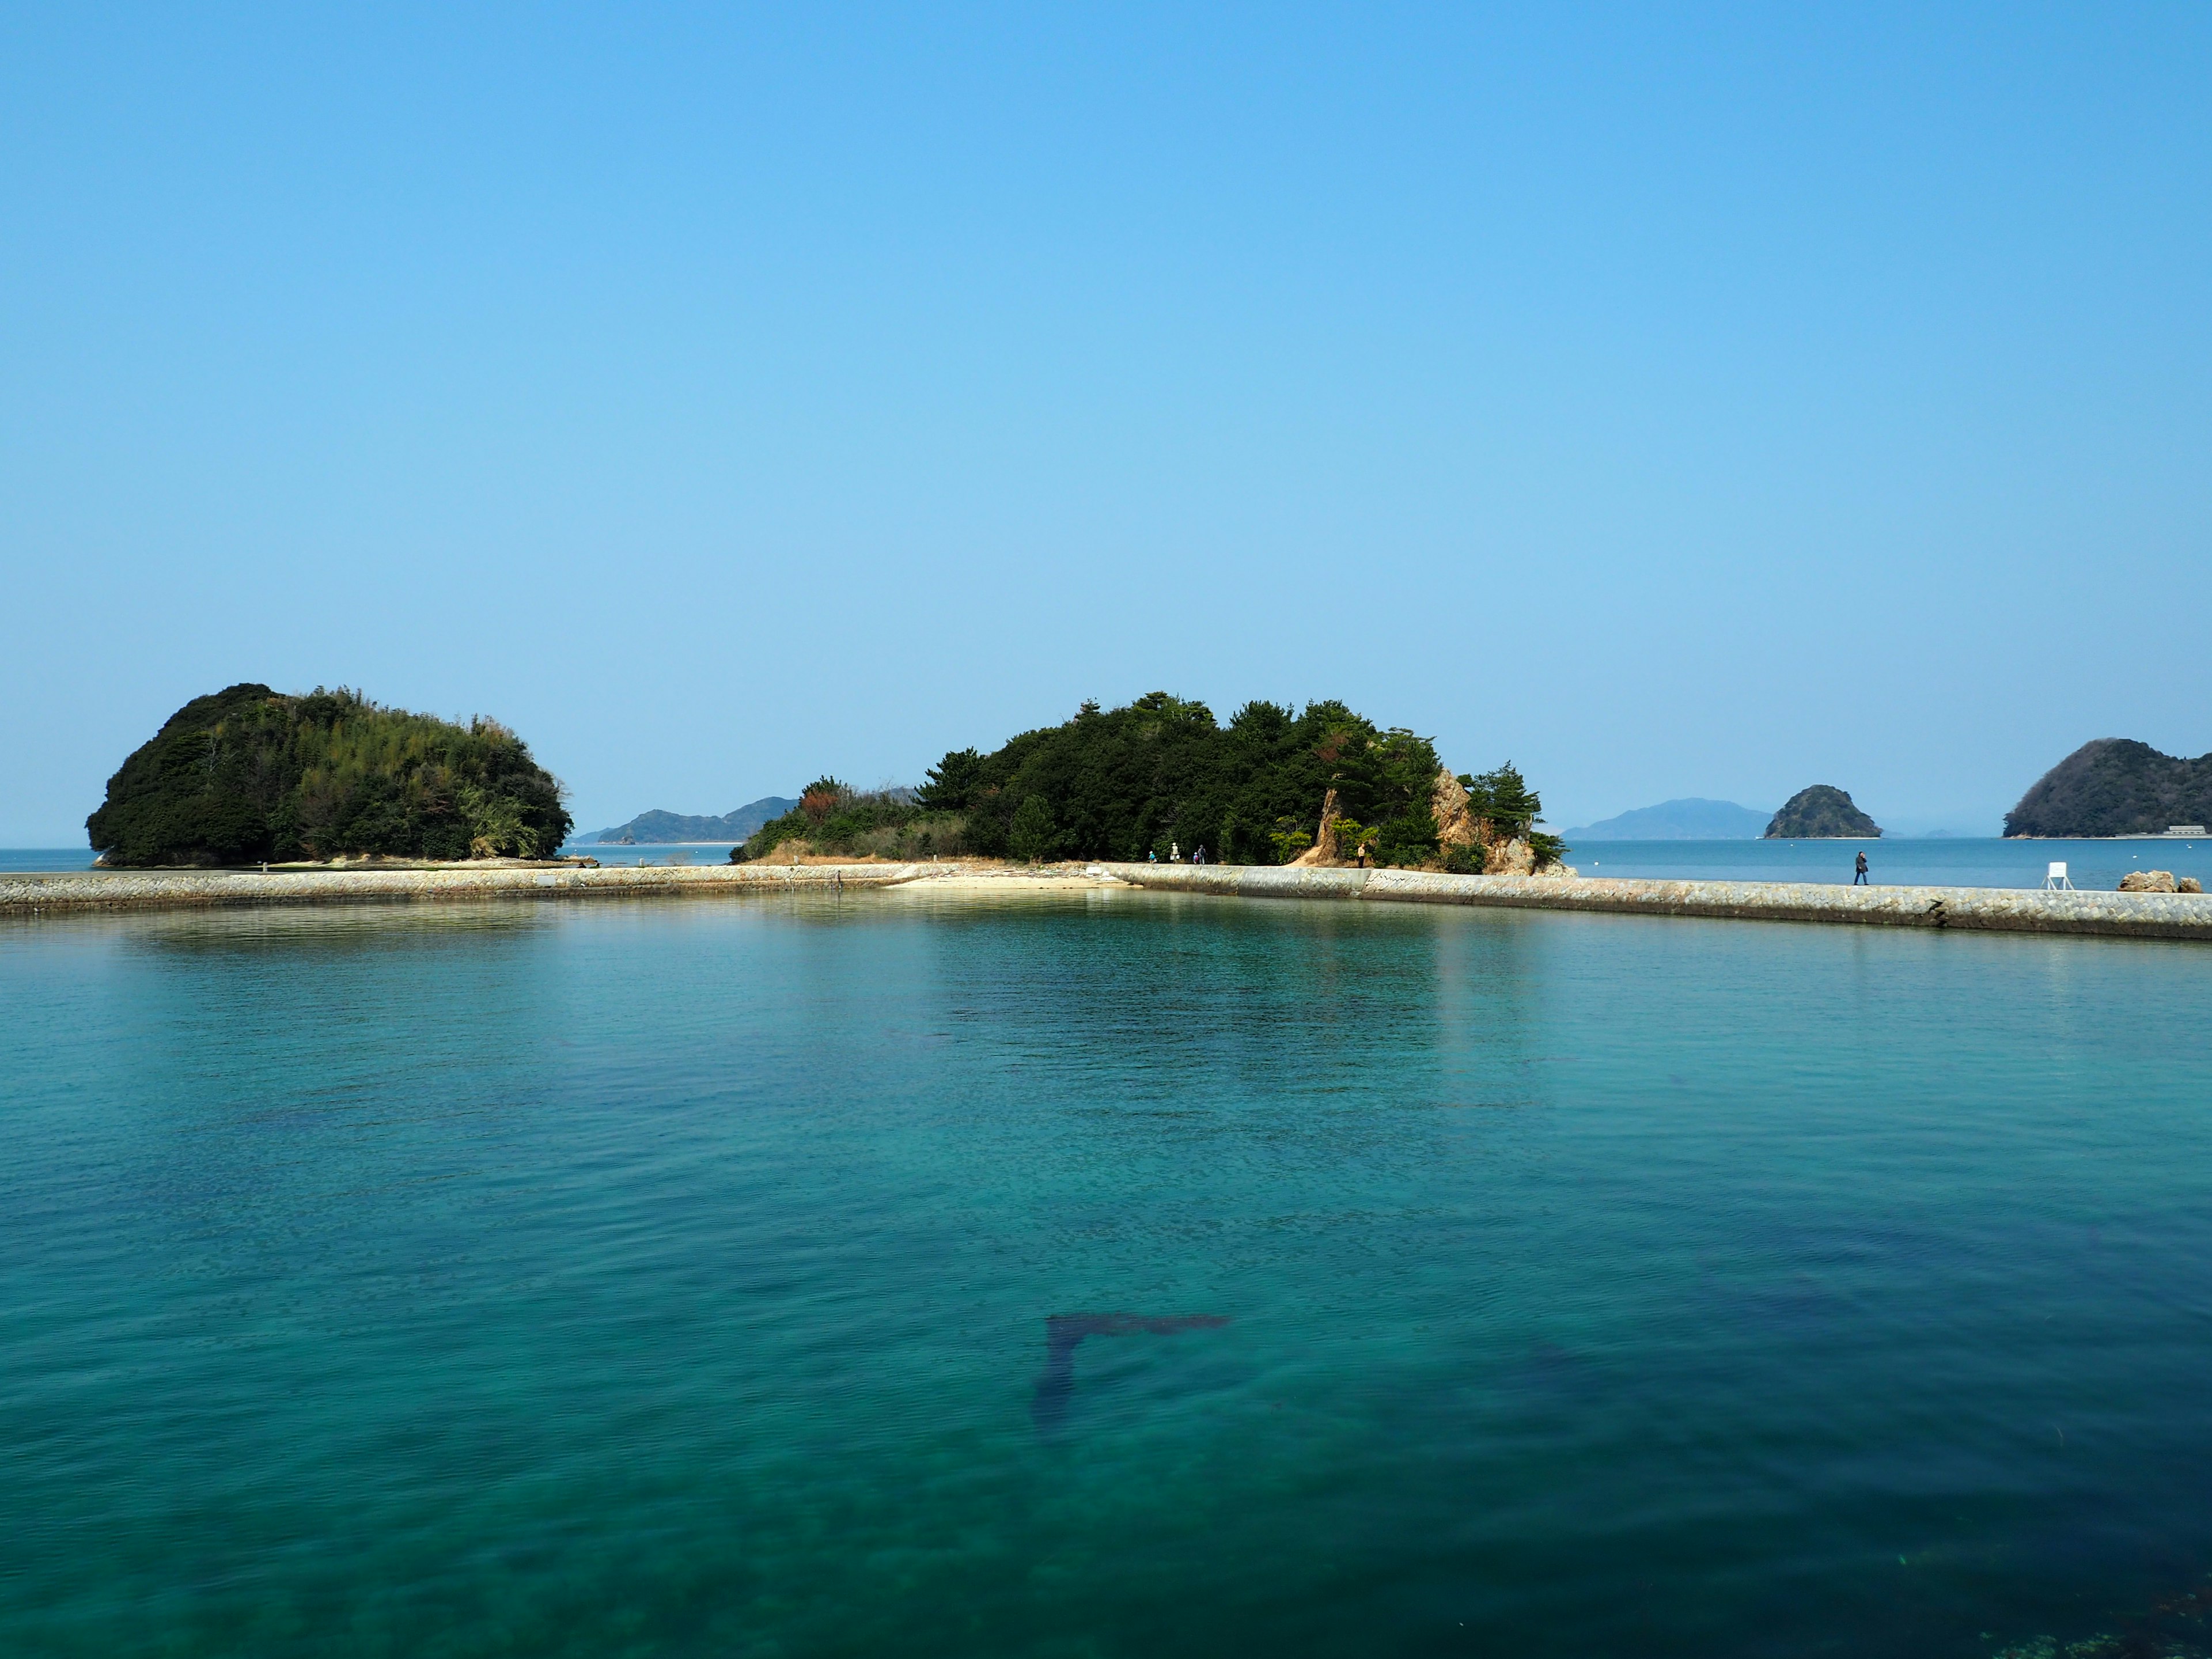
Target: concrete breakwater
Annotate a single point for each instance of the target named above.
(1988, 910)
(22, 895)
(1991, 909)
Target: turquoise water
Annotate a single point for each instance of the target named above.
(44, 861)
(1931, 863)
(676, 1278)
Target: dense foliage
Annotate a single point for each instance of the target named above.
(2115, 787)
(834, 817)
(1159, 774)
(1822, 812)
(1504, 799)
(247, 775)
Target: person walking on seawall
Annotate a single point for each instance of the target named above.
(1859, 877)
(1198, 856)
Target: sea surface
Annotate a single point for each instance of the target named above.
(696, 852)
(1096, 1273)
(21, 860)
(1938, 861)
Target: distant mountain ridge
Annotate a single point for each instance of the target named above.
(2115, 787)
(1691, 819)
(659, 828)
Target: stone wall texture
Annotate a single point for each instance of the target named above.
(1991, 909)
(2137, 915)
(165, 889)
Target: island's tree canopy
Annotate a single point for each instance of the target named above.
(247, 775)
(1822, 812)
(2115, 787)
(1161, 772)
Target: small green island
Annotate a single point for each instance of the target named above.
(250, 775)
(1163, 778)
(1822, 812)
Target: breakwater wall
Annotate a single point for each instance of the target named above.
(1986, 909)
(29, 895)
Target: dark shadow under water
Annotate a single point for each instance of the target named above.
(1064, 1333)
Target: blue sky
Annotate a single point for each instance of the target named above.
(1677, 402)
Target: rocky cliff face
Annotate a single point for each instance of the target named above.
(2115, 787)
(1324, 849)
(1822, 812)
(1457, 828)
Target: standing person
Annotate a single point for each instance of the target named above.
(1859, 878)
(1199, 857)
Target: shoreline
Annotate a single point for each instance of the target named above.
(1984, 909)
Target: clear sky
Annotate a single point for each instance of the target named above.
(1676, 402)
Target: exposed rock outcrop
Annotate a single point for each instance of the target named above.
(1324, 850)
(2148, 881)
(1458, 827)
(1455, 827)
(1508, 858)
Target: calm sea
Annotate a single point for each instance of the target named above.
(1932, 863)
(1108, 1274)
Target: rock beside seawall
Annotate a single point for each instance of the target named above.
(1988, 910)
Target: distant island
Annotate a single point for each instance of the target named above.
(659, 829)
(1822, 812)
(1161, 777)
(1691, 819)
(249, 775)
(2115, 787)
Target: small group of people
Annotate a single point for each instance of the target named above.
(1175, 854)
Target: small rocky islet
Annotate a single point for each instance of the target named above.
(1822, 812)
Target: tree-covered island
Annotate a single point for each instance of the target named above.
(249, 775)
(1325, 785)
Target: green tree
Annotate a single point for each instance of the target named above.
(1033, 833)
(1504, 798)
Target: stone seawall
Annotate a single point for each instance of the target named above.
(1988, 910)
(25, 895)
